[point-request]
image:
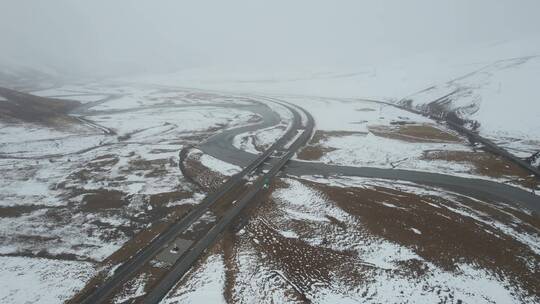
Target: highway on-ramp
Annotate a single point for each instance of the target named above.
(103, 292)
(479, 188)
(278, 158)
(186, 261)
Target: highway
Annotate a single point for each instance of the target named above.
(101, 293)
(490, 191)
(277, 158)
(221, 147)
(185, 262)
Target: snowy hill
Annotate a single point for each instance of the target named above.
(25, 77)
(493, 83)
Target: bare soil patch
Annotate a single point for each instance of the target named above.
(23, 107)
(415, 133)
(16, 211)
(486, 164)
(162, 199)
(314, 152)
(149, 168)
(304, 264)
(227, 245)
(104, 199)
(365, 110)
(447, 238)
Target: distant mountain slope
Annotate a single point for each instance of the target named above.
(492, 84)
(24, 78)
(16, 106)
(500, 100)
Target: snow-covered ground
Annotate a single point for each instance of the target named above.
(66, 170)
(341, 114)
(374, 151)
(500, 96)
(306, 245)
(370, 134)
(54, 156)
(214, 164)
(78, 194)
(348, 129)
(496, 80)
(468, 283)
(202, 285)
(35, 280)
(531, 239)
(257, 141)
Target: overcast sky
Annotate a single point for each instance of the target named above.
(109, 36)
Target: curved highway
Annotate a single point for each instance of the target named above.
(278, 158)
(293, 139)
(222, 147)
(103, 292)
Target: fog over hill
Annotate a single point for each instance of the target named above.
(125, 37)
(247, 151)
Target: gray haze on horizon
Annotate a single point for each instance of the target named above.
(110, 37)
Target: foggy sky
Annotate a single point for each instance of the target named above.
(123, 36)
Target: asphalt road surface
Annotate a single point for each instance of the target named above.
(482, 189)
(186, 261)
(102, 293)
(221, 147)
